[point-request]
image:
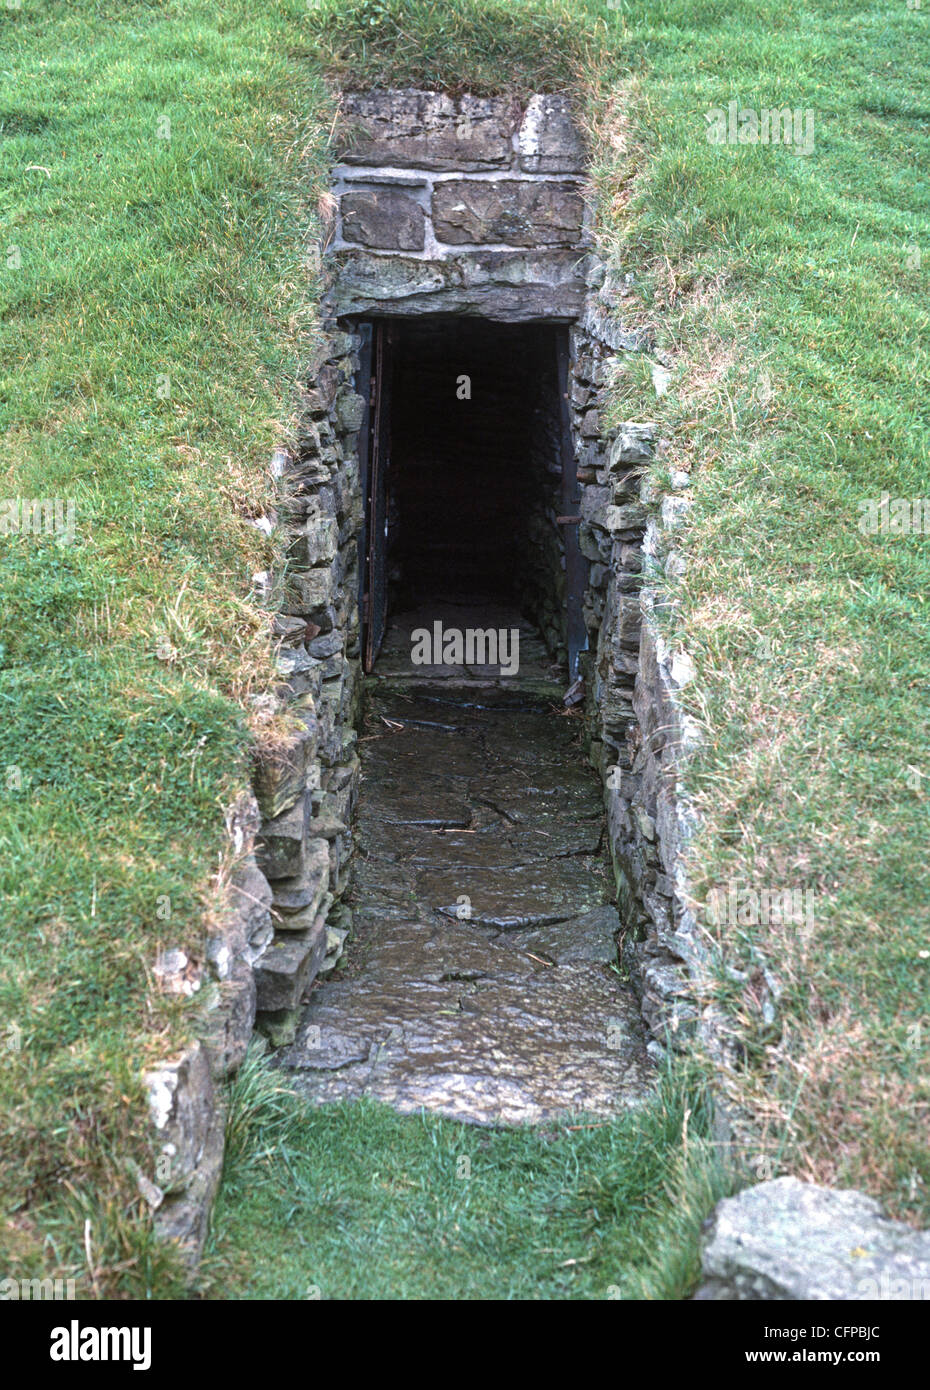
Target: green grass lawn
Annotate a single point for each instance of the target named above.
(354, 1201)
(791, 292)
(159, 167)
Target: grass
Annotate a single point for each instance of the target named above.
(793, 310)
(491, 46)
(355, 1202)
(156, 302)
(155, 305)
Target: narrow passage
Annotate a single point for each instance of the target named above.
(479, 981)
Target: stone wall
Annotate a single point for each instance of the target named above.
(306, 783)
(186, 1094)
(639, 737)
(464, 205)
(289, 842)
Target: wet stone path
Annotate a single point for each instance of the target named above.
(478, 980)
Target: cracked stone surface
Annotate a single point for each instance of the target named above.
(478, 983)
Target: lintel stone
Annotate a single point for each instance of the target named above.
(427, 130)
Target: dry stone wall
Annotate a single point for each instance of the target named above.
(458, 205)
(306, 787)
(638, 736)
(290, 841)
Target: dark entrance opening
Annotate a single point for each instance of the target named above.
(469, 480)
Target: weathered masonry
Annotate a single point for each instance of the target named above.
(460, 272)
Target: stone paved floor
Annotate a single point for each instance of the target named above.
(477, 982)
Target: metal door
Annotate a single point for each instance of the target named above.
(375, 451)
(576, 566)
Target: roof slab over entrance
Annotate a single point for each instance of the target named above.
(458, 205)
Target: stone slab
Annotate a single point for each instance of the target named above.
(792, 1240)
(504, 286)
(487, 1044)
(506, 1016)
(508, 211)
(383, 217)
(426, 130)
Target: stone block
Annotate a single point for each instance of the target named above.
(631, 517)
(549, 141)
(282, 843)
(426, 130)
(310, 590)
(279, 772)
(386, 218)
(328, 644)
(184, 1217)
(792, 1240)
(594, 544)
(322, 393)
(318, 541)
(289, 966)
(594, 500)
(635, 443)
(350, 411)
(229, 1025)
(508, 286)
(628, 621)
(181, 1104)
(290, 630)
(517, 213)
(361, 276)
(669, 1013)
(304, 892)
(250, 899)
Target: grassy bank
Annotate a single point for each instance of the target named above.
(153, 311)
(790, 292)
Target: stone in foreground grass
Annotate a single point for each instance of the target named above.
(787, 1239)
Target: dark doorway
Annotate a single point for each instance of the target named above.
(468, 477)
